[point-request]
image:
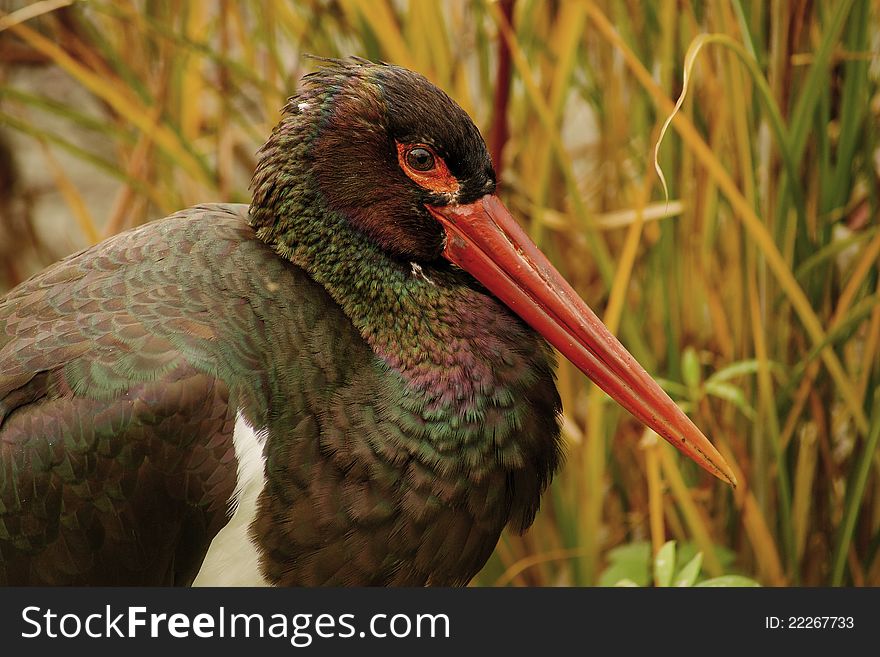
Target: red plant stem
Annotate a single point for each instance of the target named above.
(498, 133)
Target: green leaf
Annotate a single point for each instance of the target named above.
(734, 395)
(742, 368)
(690, 368)
(688, 550)
(628, 562)
(664, 564)
(729, 581)
(689, 573)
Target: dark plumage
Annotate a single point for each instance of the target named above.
(401, 415)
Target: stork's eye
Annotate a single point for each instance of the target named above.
(420, 159)
(425, 168)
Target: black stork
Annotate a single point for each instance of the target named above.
(340, 384)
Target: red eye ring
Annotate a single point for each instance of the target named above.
(435, 176)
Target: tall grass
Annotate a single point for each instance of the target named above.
(751, 290)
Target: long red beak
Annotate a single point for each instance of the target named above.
(486, 241)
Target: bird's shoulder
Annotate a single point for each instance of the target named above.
(196, 287)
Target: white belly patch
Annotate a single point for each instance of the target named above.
(233, 559)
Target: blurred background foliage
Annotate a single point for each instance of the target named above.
(751, 291)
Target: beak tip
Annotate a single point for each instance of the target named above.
(721, 469)
(731, 479)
